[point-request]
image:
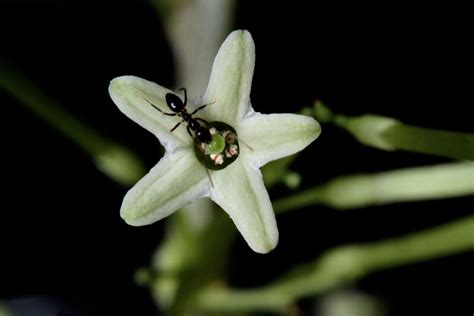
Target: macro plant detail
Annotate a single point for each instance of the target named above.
(383, 200)
(219, 153)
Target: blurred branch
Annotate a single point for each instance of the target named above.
(277, 171)
(350, 303)
(344, 265)
(389, 134)
(114, 160)
(4, 311)
(411, 184)
(189, 258)
(195, 29)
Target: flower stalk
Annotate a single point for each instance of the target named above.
(403, 185)
(390, 134)
(342, 266)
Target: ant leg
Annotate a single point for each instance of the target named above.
(175, 127)
(185, 95)
(197, 142)
(189, 131)
(202, 107)
(202, 120)
(169, 114)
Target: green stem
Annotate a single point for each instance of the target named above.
(430, 141)
(389, 134)
(412, 184)
(189, 258)
(111, 158)
(344, 265)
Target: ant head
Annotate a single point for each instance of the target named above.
(174, 102)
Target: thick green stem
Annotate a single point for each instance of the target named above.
(389, 134)
(430, 141)
(412, 184)
(111, 158)
(344, 265)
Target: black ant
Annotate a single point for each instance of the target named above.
(201, 133)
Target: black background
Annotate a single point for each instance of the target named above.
(60, 231)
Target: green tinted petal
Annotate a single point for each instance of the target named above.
(178, 179)
(274, 136)
(239, 190)
(231, 79)
(131, 93)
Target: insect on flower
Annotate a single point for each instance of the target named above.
(179, 178)
(215, 143)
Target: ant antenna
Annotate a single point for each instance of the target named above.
(157, 108)
(202, 107)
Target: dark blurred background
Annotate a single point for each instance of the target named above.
(61, 234)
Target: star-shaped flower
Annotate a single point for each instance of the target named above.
(180, 177)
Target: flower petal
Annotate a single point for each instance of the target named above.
(175, 181)
(131, 93)
(273, 136)
(239, 190)
(231, 79)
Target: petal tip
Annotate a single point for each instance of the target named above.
(242, 36)
(266, 245)
(113, 84)
(117, 84)
(130, 215)
(240, 32)
(121, 80)
(312, 128)
(129, 211)
(315, 128)
(129, 218)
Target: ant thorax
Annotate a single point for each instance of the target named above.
(223, 148)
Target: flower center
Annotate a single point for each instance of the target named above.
(217, 144)
(223, 148)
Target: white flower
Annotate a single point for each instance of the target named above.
(179, 177)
